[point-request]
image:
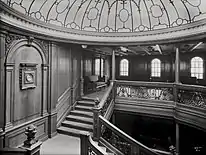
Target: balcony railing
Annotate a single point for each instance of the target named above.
(182, 94)
(191, 95)
(145, 90)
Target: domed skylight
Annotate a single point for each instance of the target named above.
(113, 15)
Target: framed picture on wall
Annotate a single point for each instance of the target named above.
(27, 76)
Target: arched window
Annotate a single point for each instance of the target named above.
(197, 67)
(124, 67)
(102, 67)
(97, 66)
(155, 68)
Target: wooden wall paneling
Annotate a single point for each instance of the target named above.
(63, 104)
(64, 70)
(16, 136)
(25, 106)
(2, 86)
(28, 102)
(9, 95)
(140, 67)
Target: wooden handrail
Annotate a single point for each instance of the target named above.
(124, 135)
(162, 84)
(144, 83)
(106, 95)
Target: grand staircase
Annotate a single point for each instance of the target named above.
(79, 119)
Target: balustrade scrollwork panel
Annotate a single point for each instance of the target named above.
(145, 92)
(192, 98)
(117, 141)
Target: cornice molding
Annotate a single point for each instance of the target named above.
(17, 20)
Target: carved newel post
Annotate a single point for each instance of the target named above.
(30, 132)
(31, 144)
(96, 122)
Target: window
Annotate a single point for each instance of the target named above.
(197, 67)
(102, 67)
(156, 68)
(124, 67)
(97, 66)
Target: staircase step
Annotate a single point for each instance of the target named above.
(83, 107)
(80, 119)
(88, 98)
(86, 103)
(77, 125)
(69, 131)
(82, 113)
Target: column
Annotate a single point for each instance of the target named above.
(72, 77)
(113, 65)
(52, 89)
(82, 78)
(177, 138)
(2, 86)
(177, 65)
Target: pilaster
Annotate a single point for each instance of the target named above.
(52, 89)
(2, 86)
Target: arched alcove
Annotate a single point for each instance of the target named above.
(26, 75)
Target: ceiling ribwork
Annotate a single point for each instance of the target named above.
(113, 15)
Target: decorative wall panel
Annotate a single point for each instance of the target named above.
(113, 15)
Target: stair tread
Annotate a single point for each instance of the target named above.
(86, 102)
(67, 129)
(82, 112)
(80, 118)
(88, 98)
(73, 123)
(83, 106)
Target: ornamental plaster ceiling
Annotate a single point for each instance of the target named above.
(113, 15)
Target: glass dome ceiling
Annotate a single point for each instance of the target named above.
(113, 15)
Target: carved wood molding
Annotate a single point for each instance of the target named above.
(196, 30)
(11, 38)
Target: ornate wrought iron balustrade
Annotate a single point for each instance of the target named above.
(156, 92)
(193, 96)
(121, 141)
